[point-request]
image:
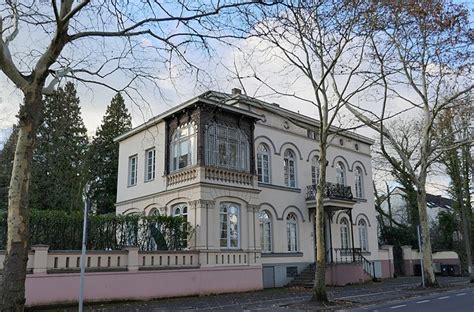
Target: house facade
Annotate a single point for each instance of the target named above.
(243, 174)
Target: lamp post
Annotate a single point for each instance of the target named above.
(84, 246)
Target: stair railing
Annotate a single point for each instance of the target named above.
(368, 266)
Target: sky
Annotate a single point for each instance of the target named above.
(175, 84)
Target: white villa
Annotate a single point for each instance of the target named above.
(243, 174)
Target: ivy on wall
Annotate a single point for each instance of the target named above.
(63, 231)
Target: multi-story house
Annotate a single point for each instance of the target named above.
(243, 174)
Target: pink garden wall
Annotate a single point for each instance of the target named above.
(59, 288)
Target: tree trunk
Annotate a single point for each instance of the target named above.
(430, 279)
(16, 257)
(319, 287)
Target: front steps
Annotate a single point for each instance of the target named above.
(340, 274)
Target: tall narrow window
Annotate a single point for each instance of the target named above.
(363, 239)
(314, 170)
(229, 225)
(263, 163)
(292, 232)
(340, 173)
(150, 156)
(289, 168)
(181, 210)
(227, 147)
(344, 233)
(132, 170)
(359, 183)
(265, 231)
(182, 147)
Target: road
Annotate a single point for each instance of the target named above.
(461, 300)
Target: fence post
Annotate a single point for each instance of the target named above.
(40, 260)
(132, 261)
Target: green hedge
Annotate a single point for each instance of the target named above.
(63, 231)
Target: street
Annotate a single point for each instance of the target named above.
(458, 300)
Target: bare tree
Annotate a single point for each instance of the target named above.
(421, 55)
(318, 45)
(95, 42)
(454, 125)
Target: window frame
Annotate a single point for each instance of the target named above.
(289, 163)
(315, 166)
(228, 235)
(147, 164)
(133, 170)
(363, 235)
(292, 224)
(177, 139)
(340, 173)
(222, 138)
(261, 155)
(344, 225)
(359, 182)
(265, 222)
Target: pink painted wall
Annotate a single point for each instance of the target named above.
(387, 268)
(42, 289)
(343, 274)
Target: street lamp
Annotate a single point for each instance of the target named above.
(84, 246)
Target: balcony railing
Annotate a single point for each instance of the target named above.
(332, 190)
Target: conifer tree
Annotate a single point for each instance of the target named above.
(6, 163)
(58, 174)
(103, 155)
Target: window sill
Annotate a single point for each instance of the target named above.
(281, 254)
(278, 187)
(151, 180)
(360, 200)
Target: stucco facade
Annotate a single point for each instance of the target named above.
(282, 190)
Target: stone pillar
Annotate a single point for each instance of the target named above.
(407, 260)
(253, 227)
(40, 263)
(132, 259)
(201, 213)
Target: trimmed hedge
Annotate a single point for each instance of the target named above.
(63, 231)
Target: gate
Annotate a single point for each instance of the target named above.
(398, 260)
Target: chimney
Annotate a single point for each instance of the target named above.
(236, 91)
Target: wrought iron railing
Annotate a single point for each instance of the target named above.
(332, 190)
(344, 255)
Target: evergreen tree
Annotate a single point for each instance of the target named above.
(58, 161)
(103, 155)
(6, 163)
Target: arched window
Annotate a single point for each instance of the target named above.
(263, 163)
(227, 147)
(290, 168)
(265, 231)
(292, 232)
(363, 239)
(344, 233)
(340, 173)
(154, 212)
(314, 170)
(359, 183)
(229, 225)
(182, 147)
(181, 210)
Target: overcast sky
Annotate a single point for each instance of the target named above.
(94, 99)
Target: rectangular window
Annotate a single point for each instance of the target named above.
(311, 134)
(150, 156)
(132, 170)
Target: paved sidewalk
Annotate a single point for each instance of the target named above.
(284, 299)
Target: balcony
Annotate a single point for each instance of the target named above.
(336, 196)
(214, 175)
